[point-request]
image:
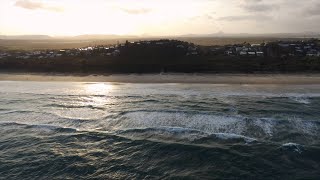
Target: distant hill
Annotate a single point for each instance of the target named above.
(25, 37)
(277, 35)
(100, 36)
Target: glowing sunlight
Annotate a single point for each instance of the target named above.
(99, 88)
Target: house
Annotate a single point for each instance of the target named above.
(116, 52)
(4, 55)
(243, 53)
(283, 45)
(245, 49)
(36, 53)
(192, 48)
(229, 52)
(312, 53)
(251, 53)
(255, 45)
(238, 49)
(260, 53)
(307, 47)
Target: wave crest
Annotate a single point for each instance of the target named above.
(185, 135)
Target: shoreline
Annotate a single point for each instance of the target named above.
(168, 78)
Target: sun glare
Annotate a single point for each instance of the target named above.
(99, 88)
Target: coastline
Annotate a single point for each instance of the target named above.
(168, 78)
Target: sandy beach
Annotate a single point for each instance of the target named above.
(169, 78)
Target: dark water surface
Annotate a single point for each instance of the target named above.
(63, 130)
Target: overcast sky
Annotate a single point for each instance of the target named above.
(157, 17)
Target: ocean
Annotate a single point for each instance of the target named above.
(79, 130)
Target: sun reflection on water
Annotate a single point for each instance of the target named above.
(91, 102)
(99, 88)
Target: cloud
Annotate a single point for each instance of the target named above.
(37, 5)
(258, 6)
(245, 18)
(313, 11)
(136, 11)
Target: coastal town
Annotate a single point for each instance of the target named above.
(300, 48)
(157, 56)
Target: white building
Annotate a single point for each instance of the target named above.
(243, 53)
(238, 49)
(260, 53)
(251, 53)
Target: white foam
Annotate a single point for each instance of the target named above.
(301, 99)
(163, 133)
(305, 127)
(177, 129)
(290, 144)
(227, 136)
(294, 146)
(266, 124)
(181, 134)
(201, 122)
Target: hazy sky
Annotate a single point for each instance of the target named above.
(157, 17)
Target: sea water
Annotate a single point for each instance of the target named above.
(78, 130)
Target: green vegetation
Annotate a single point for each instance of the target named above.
(43, 44)
(218, 64)
(170, 56)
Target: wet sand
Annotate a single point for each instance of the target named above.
(169, 78)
